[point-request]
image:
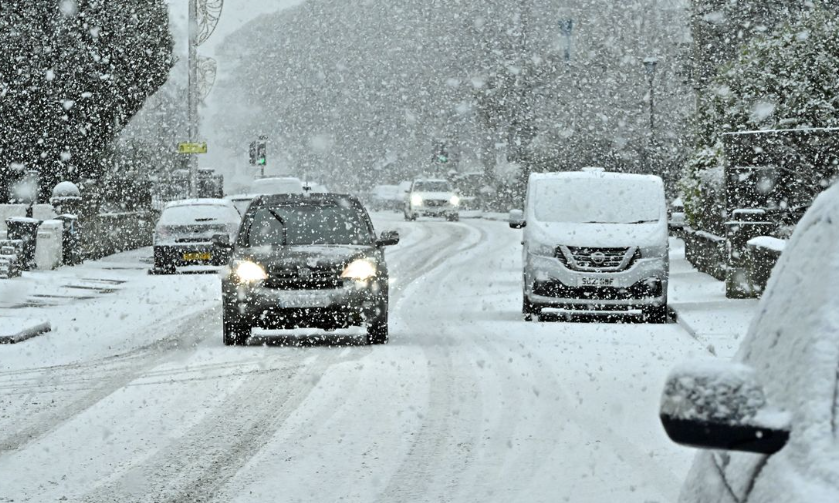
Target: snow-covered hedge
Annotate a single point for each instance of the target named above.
(783, 80)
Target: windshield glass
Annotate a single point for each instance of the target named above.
(308, 225)
(597, 200)
(197, 214)
(431, 186)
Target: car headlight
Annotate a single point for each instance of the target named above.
(361, 269)
(454, 201)
(416, 200)
(250, 272)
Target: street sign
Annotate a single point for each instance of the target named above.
(192, 148)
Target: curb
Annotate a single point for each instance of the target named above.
(27, 333)
(685, 325)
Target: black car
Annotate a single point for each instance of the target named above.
(306, 261)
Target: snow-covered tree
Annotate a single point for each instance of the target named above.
(72, 74)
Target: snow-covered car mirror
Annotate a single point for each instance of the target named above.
(516, 219)
(721, 405)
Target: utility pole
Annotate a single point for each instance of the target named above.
(192, 95)
(650, 65)
(566, 28)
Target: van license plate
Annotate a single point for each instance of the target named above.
(596, 282)
(197, 256)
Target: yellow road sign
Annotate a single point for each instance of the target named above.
(192, 148)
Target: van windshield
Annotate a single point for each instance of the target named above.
(597, 200)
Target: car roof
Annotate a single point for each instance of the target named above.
(241, 197)
(198, 202)
(269, 199)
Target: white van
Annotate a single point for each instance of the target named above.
(594, 241)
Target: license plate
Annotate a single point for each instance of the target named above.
(295, 300)
(197, 256)
(596, 282)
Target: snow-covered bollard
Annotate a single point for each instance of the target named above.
(48, 245)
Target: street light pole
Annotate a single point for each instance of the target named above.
(192, 95)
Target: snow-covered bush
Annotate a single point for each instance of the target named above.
(782, 80)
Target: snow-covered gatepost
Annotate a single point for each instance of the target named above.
(771, 178)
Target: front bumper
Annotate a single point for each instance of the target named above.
(352, 304)
(548, 283)
(434, 211)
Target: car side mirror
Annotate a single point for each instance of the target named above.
(221, 241)
(721, 405)
(388, 238)
(517, 220)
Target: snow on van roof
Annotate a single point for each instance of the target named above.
(566, 175)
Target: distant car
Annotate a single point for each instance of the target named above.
(676, 221)
(306, 261)
(432, 198)
(594, 241)
(278, 185)
(768, 419)
(241, 201)
(186, 231)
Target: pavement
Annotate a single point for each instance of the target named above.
(702, 308)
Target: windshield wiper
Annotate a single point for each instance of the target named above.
(281, 220)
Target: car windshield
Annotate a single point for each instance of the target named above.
(197, 214)
(597, 200)
(432, 186)
(308, 225)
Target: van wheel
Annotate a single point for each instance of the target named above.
(528, 309)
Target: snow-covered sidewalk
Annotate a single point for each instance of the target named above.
(702, 308)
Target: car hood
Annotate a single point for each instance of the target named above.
(321, 257)
(599, 235)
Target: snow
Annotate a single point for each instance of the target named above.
(769, 243)
(277, 186)
(199, 213)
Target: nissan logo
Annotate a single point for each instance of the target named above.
(598, 257)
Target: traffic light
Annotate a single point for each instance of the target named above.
(261, 149)
(257, 153)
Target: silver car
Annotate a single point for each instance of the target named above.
(185, 232)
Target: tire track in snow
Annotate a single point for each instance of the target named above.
(106, 377)
(197, 465)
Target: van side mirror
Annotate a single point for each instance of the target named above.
(221, 241)
(516, 219)
(388, 238)
(720, 405)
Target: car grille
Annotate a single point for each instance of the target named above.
(304, 279)
(435, 203)
(597, 259)
(556, 289)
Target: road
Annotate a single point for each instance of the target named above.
(134, 398)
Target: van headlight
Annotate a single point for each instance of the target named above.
(416, 200)
(360, 270)
(249, 272)
(454, 201)
(542, 250)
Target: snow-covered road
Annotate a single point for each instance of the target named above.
(133, 397)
